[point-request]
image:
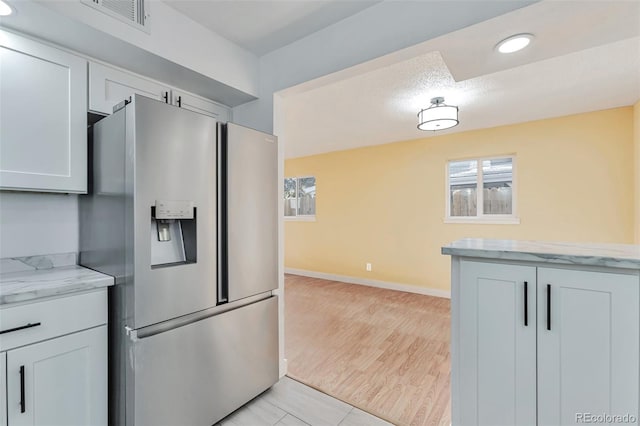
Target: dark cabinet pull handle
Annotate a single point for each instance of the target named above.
(22, 327)
(548, 306)
(22, 403)
(166, 97)
(180, 101)
(526, 304)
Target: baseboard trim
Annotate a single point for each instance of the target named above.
(371, 283)
(284, 367)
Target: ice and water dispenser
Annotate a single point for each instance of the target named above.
(173, 233)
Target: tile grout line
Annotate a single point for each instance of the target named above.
(311, 386)
(346, 415)
(330, 399)
(296, 417)
(318, 390)
(278, 407)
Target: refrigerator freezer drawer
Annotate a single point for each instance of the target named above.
(201, 372)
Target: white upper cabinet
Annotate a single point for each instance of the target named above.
(110, 86)
(198, 104)
(43, 117)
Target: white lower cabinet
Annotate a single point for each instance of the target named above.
(60, 381)
(543, 345)
(53, 368)
(3, 389)
(497, 346)
(588, 346)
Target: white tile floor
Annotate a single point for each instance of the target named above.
(290, 403)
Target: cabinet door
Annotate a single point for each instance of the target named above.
(497, 347)
(59, 382)
(201, 105)
(43, 105)
(588, 347)
(3, 389)
(109, 86)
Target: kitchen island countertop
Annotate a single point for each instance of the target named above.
(626, 256)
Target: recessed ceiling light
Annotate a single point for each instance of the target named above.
(5, 9)
(514, 43)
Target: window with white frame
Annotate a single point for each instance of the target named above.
(481, 190)
(300, 197)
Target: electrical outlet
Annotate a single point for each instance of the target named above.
(368, 267)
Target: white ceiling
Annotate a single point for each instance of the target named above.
(262, 26)
(583, 59)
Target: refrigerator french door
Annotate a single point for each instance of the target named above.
(248, 212)
(181, 212)
(173, 169)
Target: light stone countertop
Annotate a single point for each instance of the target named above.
(625, 256)
(29, 278)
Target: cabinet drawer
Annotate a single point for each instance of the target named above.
(55, 317)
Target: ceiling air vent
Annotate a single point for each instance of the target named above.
(130, 11)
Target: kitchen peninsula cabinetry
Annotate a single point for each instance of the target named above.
(498, 351)
(588, 346)
(543, 333)
(43, 104)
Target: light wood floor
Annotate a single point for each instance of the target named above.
(385, 352)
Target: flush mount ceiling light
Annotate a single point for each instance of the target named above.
(438, 116)
(5, 9)
(514, 43)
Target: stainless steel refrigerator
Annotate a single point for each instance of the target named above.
(182, 211)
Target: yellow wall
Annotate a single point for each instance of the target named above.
(636, 139)
(385, 204)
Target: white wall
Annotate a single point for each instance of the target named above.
(37, 223)
(376, 31)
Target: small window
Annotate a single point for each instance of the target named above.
(494, 203)
(300, 198)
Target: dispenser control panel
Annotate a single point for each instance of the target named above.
(174, 209)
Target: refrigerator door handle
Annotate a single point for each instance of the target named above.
(223, 265)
